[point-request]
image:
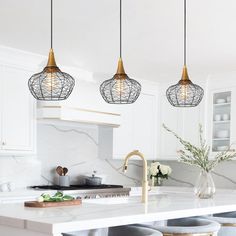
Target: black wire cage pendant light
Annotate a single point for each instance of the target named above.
(120, 89)
(51, 84)
(185, 93)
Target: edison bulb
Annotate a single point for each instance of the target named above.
(120, 86)
(50, 83)
(184, 92)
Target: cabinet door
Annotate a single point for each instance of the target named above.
(138, 130)
(233, 119)
(17, 111)
(145, 125)
(218, 108)
(171, 117)
(1, 105)
(190, 123)
(123, 136)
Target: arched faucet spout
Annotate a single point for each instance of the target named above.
(144, 182)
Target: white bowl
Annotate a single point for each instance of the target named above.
(228, 98)
(220, 100)
(225, 117)
(217, 117)
(222, 134)
(222, 148)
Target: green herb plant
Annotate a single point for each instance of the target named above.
(57, 197)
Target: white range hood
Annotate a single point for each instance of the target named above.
(84, 106)
(50, 113)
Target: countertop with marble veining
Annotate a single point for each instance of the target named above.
(165, 203)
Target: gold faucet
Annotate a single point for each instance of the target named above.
(145, 181)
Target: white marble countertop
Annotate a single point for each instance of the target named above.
(169, 203)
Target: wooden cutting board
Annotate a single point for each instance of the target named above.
(53, 204)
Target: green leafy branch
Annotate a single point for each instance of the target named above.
(199, 156)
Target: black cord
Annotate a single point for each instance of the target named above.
(51, 23)
(120, 28)
(185, 34)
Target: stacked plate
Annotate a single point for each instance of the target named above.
(222, 148)
(220, 100)
(222, 134)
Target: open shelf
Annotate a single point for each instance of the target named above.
(215, 150)
(222, 104)
(221, 110)
(222, 122)
(220, 139)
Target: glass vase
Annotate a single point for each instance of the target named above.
(205, 187)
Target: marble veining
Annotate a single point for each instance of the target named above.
(167, 204)
(76, 148)
(181, 181)
(183, 175)
(225, 177)
(76, 131)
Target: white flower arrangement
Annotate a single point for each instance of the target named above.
(158, 170)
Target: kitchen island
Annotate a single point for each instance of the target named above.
(17, 220)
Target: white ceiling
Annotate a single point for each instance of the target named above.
(87, 34)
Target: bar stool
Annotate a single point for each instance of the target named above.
(92, 232)
(133, 230)
(189, 227)
(227, 221)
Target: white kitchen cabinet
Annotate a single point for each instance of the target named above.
(172, 118)
(221, 119)
(17, 105)
(138, 129)
(17, 111)
(219, 88)
(123, 136)
(191, 118)
(145, 124)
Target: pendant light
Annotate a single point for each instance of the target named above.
(184, 93)
(51, 84)
(120, 89)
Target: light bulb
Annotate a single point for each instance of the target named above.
(50, 83)
(184, 92)
(120, 86)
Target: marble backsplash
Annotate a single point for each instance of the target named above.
(19, 172)
(224, 175)
(76, 149)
